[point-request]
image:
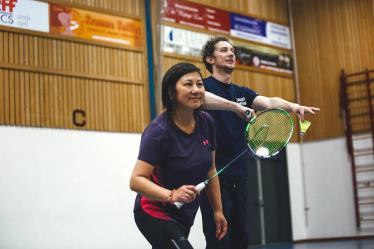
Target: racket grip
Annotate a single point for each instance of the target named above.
(199, 188)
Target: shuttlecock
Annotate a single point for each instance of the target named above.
(304, 125)
(262, 151)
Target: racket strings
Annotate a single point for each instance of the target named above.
(269, 132)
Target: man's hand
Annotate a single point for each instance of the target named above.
(300, 110)
(245, 112)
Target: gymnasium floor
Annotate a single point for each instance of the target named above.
(347, 244)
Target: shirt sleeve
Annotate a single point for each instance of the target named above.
(151, 145)
(250, 96)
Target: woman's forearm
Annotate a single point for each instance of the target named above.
(147, 188)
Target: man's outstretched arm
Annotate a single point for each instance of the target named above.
(214, 102)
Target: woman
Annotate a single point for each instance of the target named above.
(177, 152)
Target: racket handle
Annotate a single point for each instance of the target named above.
(199, 188)
(178, 204)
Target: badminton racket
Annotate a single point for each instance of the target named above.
(266, 134)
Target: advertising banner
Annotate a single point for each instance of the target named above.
(25, 14)
(183, 42)
(185, 13)
(91, 25)
(217, 20)
(264, 58)
(196, 15)
(260, 31)
(208, 18)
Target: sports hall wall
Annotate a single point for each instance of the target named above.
(72, 110)
(329, 36)
(59, 81)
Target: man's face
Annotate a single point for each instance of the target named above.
(223, 57)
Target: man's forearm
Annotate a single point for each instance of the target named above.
(284, 104)
(262, 103)
(214, 102)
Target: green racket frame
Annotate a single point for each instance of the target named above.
(269, 132)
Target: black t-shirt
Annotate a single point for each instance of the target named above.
(179, 159)
(230, 127)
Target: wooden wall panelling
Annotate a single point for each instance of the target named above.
(339, 36)
(6, 47)
(2, 44)
(17, 96)
(2, 94)
(64, 102)
(55, 56)
(40, 87)
(6, 95)
(43, 79)
(122, 109)
(59, 75)
(109, 111)
(117, 108)
(48, 53)
(21, 99)
(12, 98)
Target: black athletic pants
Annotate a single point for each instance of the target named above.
(234, 194)
(162, 234)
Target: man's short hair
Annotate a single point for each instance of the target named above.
(208, 50)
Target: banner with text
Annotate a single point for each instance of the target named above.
(196, 15)
(91, 25)
(187, 42)
(260, 31)
(208, 18)
(263, 57)
(25, 14)
(184, 42)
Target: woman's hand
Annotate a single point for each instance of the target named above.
(186, 194)
(221, 225)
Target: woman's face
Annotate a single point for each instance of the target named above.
(190, 91)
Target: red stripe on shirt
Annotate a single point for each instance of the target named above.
(152, 207)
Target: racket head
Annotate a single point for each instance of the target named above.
(269, 132)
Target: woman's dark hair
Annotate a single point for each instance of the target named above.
(170, 80)
(208, 50)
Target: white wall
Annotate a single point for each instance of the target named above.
(69, 189)
(325, 189)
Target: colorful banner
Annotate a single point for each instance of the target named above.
(217, 20)
(184, 42)
(264, 58)
(91, 25)
(196, 15)
(24, 14)
(185, 13)
(260, 31)
(200, 16)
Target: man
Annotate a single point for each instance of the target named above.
(218, 55)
